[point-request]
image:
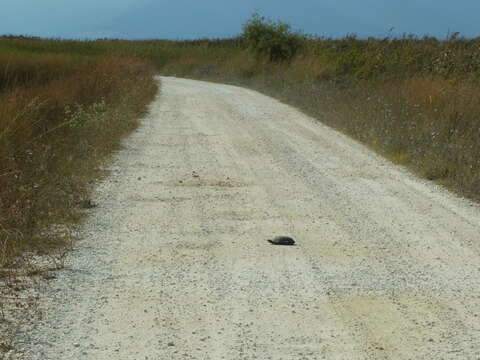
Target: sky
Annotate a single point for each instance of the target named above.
(191, 19)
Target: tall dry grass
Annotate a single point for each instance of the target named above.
(60, 116)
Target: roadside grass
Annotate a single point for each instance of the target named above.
(61, 115)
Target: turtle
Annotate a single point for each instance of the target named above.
(282, 240)
(88, 204)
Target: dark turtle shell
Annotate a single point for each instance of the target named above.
(282, 240)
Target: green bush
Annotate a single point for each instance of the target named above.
(274, 40)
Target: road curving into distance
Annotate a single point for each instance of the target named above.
(175, 263)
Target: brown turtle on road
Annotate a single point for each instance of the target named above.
(282, 240)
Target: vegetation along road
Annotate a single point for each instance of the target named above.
(174, 263)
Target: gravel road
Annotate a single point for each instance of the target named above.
(174, 263)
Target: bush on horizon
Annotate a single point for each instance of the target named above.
(274, 40)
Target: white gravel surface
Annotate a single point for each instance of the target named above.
(174, 263)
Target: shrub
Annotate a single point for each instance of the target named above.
(274, 40)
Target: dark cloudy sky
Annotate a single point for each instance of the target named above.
(187, 19)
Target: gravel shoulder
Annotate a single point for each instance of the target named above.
(174, 263)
